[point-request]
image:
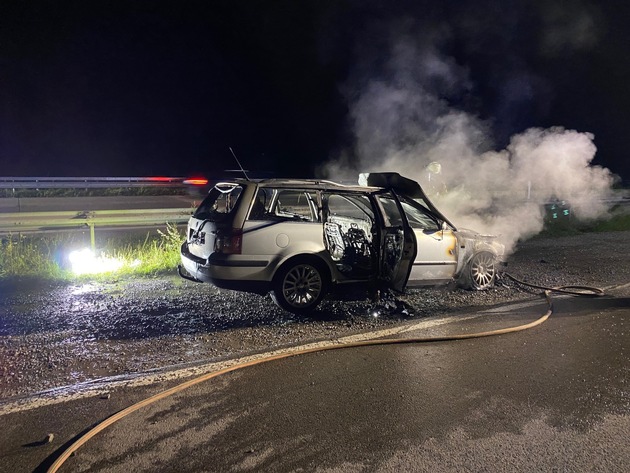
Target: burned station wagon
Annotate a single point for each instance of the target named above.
(296, 239)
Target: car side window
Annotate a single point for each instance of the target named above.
(260, 206)
(393, 218)
(295, 205)
(354, 206)
(283, 204)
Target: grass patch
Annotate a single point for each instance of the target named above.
(47, 258)
(618, 223)
(155, 255)
(29, 257)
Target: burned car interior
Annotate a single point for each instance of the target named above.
(349, 231)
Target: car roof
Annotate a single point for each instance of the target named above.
(367, 183)
(314, 184)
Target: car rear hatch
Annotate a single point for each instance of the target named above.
(216, 225)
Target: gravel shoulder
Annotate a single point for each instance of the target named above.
(59, 335)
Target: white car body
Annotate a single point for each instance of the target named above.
(296, 238)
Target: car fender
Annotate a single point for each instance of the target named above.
(471, 243)
(319, 257)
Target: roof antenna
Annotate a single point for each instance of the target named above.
(239, 163)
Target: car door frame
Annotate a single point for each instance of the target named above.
(395, 265)
(345, 271)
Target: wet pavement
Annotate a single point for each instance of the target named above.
(553, 398)
(54, 336)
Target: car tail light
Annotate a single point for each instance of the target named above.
(229, 243)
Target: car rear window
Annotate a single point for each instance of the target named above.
(220, 202)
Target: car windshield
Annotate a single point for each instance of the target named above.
(417, 215)
(220, 202)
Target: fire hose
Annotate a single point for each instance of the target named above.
(584, 291)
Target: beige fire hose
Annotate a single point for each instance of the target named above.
(573, 290)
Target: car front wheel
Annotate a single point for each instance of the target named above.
(481, 271)
(299, 286)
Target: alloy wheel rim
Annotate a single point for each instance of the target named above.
(482, 270)
(302, 285)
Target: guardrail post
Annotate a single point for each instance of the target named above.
(92, 237)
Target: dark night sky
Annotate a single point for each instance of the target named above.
(126, 88)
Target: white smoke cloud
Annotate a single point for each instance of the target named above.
(402, 122)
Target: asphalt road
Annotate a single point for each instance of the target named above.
(553, 398)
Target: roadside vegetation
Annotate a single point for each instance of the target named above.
(51, 257)
(617, 220)
(617, 223)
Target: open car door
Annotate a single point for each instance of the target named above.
(398, 243)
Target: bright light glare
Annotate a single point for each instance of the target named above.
(85, 262)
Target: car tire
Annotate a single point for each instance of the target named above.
(481, 271)
(300, 285)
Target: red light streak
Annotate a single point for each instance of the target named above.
(196, 181)
(161, 179)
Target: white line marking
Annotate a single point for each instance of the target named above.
(509, 308)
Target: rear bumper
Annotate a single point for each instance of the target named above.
(224, 272)
(193, 265)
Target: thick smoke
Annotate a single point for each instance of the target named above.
(404, 119)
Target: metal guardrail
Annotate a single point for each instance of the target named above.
(91, 182)
(38, 222)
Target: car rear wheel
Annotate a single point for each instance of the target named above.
(299, 286)
(481, 271)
